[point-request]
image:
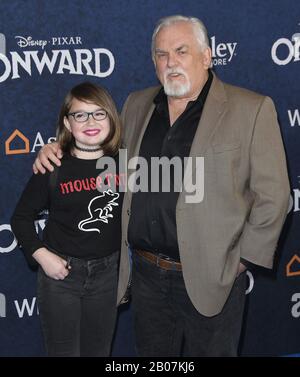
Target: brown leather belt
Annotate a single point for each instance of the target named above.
(159, 261)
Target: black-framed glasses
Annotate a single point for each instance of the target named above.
(83, 116)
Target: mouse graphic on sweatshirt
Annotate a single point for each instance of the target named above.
(99, 209)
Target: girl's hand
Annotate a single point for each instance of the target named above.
(53, 265)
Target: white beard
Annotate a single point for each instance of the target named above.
(176, 89)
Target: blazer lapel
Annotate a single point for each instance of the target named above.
(213, 111)
(143, 116)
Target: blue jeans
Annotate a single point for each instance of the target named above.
(78, 314)
(167, 324)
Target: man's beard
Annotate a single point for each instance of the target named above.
(173, 88)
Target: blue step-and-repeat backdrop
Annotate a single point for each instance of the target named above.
(46, 47)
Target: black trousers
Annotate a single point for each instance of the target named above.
(78, 314)
(167, 324)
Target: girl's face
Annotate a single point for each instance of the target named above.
(90, 132)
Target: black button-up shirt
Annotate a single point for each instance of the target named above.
(152, 225)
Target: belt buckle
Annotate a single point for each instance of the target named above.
(157, 260)
(163, 257)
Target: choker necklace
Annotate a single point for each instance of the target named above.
(88, 149)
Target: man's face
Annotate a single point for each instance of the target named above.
(181, 67)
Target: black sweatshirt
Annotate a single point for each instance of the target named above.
(83, 222)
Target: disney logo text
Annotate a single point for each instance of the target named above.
(24, 42)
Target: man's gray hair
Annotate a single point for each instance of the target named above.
(198, 26)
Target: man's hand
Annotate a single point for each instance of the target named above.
(241, 269)
(49, 152)
(54, 266)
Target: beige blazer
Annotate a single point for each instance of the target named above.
(246, 190)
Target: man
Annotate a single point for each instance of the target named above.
(188, 279)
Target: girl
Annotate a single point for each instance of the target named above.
(78, 256)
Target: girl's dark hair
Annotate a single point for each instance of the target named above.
(88, 92)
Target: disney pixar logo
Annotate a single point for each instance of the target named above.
(98, 62)
(54, 41)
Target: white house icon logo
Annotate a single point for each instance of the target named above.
(2, 306)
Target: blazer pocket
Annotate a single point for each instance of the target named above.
(220, 148)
